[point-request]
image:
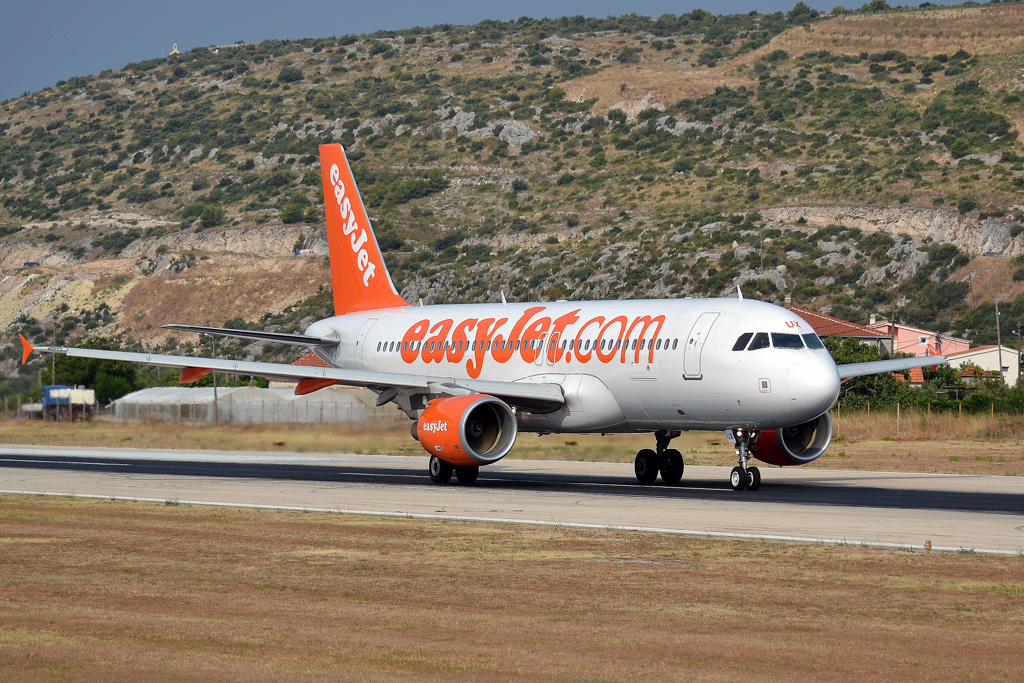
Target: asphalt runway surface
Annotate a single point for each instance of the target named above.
(954, 512)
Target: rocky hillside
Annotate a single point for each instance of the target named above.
(859, 162)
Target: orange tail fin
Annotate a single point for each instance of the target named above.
(360, 278)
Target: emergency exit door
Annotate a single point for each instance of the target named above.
(695, 345)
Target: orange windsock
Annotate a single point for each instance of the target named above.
(360, 278)
(26, 349)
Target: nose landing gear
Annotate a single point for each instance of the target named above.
(743, 477)
(667, 461)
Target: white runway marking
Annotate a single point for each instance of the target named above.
(538, 522)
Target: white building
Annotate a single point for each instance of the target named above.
(253, 405)
(988, 358)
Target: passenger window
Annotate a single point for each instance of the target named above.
(782, 340)
(812, 341)
(760, 342)
(378, 346)
(675, 342)
(741, 343)
(657, 346)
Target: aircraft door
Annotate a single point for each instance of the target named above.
(361, 342)
(695, 344)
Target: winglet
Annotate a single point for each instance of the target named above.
(26, 349)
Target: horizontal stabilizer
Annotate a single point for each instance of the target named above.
(277, 337)
(877, 367)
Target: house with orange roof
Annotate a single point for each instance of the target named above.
(909, 339)
(990, 358)
(827, 326)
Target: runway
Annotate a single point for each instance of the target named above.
(954, 512)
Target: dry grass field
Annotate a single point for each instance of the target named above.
(861, 442)
(980, 31)
(110, 591)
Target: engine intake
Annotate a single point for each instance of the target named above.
(796, 445)
(467, 430)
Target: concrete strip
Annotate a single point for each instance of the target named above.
(885, 509)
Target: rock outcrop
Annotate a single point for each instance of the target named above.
(975, 236)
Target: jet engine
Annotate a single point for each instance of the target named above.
(467, 430)
(796, 445)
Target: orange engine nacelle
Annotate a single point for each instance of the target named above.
(467, 430)
(796, 445)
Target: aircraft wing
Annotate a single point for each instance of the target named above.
(526, 395)
(278, 337)
(877, 367)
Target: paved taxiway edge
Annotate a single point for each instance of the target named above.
(540, 522)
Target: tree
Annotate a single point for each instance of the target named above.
(212, 216)
(960, 147)
(882, 390)
(289, 74)
(966, 204)
(110, 379)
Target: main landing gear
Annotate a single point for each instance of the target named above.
(667, 461)
(441, 472)
(743, 477)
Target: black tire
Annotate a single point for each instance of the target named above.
(646, 466)
(467, 475)
(672, 466)
(440, 471)
(738, 479)
(753, 479)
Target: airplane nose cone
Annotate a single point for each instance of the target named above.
(814, 383)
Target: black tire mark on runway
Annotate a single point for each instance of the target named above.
(807, 493)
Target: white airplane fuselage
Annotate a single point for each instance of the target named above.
(624, 366)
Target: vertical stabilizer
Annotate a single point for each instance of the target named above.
(360, 279)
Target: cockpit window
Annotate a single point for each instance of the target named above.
(781, 340)
(760, 342)
(812, 341)
(741, 343)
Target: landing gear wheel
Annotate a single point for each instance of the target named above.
(738, 479)
(467, 475)
(671, 466)
(646, 466)
(753, 479)
(440, 471)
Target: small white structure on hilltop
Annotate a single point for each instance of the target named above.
(174, 50)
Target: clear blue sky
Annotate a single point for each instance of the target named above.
(46, 41)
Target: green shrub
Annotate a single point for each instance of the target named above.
(212, 216)
(966, 204)
(289, 74)
(193, 210)
(961, 147)
(291, 214)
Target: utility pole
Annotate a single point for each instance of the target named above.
(53, 357)
(999, 341)
(215, 416)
